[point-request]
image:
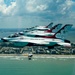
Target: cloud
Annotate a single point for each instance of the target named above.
(44, 9)
(66, 7)
(32, 6)
(7, 10)
(40, 11)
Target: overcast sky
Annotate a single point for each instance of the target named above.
(28, 13)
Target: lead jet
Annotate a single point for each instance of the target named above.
(32, 41)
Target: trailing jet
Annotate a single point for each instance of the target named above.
(38, 28)
(44, 32)
(43, 27)
(47, 41)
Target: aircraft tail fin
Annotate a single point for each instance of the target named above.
(50, 25)
(55, 28)
(64, 29)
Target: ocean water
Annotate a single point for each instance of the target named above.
(71, 35)
(7, 32)
(17, 65)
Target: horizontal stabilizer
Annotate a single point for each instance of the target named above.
(64, 44)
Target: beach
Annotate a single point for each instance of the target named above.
(38, 56)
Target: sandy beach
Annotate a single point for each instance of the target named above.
(38, 56)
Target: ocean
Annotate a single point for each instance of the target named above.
(17, 65)
(8, 31)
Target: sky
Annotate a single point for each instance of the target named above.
(29, 13)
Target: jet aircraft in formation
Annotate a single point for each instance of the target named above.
(41, 36)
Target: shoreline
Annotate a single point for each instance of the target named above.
(38, 56)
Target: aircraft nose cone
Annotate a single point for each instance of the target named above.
(4, 40)
(21, 33)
